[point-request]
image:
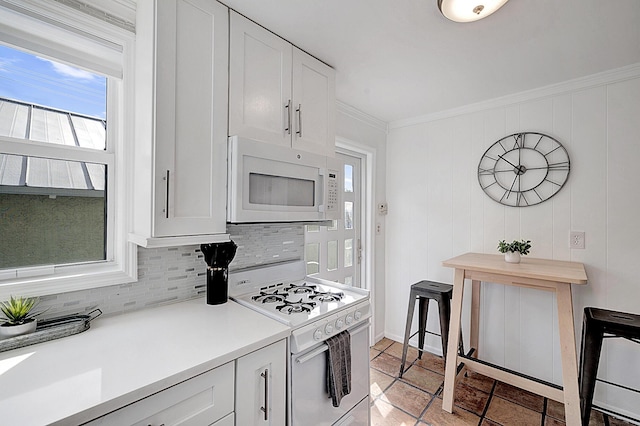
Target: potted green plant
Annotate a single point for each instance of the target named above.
(514, 250)
(19, 316)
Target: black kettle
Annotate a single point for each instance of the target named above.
(218, 256)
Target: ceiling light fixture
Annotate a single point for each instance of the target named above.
(468, 10)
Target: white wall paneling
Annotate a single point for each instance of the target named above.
(438, 210)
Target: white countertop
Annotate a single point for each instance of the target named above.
(124, 358)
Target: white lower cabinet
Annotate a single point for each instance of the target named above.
(201, 400)
(261, 386)
(248, 391)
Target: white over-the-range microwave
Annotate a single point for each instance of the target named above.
(270, 183)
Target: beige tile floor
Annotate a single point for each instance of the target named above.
(416, 400)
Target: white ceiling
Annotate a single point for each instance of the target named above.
(397, 59)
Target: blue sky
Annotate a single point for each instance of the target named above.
(33, 79)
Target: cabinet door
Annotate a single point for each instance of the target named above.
(259, 83)
(191, 117)
(261, 384)
(314, 104)
(201, 400)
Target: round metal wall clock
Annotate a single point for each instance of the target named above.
(524, 169)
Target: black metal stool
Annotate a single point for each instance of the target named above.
(424, 291)
(596, 323)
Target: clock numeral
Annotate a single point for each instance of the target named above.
(564, 165)
(537, 193)
(557, 147)
(522, 200)
(491, 184)
(519, 140)
(555, 183)
(485, 171)
(537, 143)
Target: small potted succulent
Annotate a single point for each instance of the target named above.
(513, 251)
(18, 316)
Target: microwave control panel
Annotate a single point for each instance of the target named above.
(332, 191)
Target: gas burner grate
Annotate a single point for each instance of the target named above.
(327, 296)
(302, 288)
(290, 307)
(272, 297)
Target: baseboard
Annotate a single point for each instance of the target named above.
(436, 350)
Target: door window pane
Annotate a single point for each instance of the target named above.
(348, 178)
(348, 252)
(313, 228)
(348, 281)
(312, 258)
(348, 215)
(332, 255)
(333, 226)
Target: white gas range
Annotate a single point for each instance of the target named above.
(316, 310)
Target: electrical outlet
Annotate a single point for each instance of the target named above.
(576, 240)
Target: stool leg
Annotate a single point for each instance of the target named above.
(589, 359)
(444, 306)
(422, 324)
(407, 330)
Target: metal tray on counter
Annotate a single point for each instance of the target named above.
(52, 329)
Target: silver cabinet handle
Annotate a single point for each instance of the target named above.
(288, 108)
(166, 203)
(299, 111)
(265, 376)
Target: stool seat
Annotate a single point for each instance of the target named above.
(425, 291)
(596, 323)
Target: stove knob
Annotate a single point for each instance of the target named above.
(328, 329)
(348, 319)
(317, 334)
(339, 324)
(357, 315)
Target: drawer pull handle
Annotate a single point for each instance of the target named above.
(265, 376)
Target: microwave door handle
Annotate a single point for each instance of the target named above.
(323, 179)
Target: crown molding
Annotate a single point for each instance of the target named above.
(594, 80)
(356, 114)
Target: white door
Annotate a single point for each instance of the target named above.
(334, 252)
(191, 110)
(259, 83)
(261, 386)
(313, 104)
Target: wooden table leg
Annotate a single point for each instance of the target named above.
(451, 363)
(475, 316)
(568, 354)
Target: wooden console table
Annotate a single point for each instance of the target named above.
(541, 274)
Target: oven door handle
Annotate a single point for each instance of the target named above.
(312, 354)
(325, 347)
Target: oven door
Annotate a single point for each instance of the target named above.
(309, 396)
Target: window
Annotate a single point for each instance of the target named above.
(63, 102)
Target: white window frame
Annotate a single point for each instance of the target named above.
(48, 28)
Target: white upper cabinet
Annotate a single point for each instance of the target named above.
(181, 122)
(259, 83)
(278, 93)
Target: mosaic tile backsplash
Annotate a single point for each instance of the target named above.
(169, 275)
